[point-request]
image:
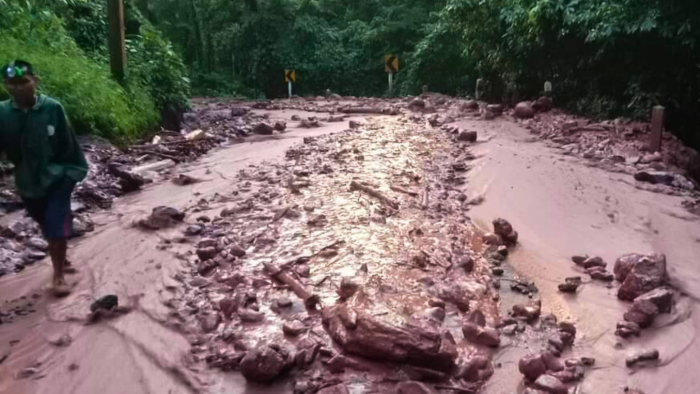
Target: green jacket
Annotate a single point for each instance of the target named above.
(41, 145)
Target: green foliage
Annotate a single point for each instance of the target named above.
(94, 101)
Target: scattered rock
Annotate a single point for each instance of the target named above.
(468, 136)
(280, 126)
(531, 311)
(210, 322)
(642, 313)
(646, 355)
(627, 329)
(543, 104)
(495, 109)
(263, 129)
(162, 217)
(238, 111)
(251, 316)
(661, 297)
(571, 285)
(594, 262)
(229, 306)
(486, 336)
(550, 384)
(600, 274)
(532, 366)
(107, 303)
(263, 364)
(38, 244)
(416, 104)
(294, 328)
(523, 110)
(551, 362)
(207, 253)
(477, 368)
(646, 275)
(348, 287)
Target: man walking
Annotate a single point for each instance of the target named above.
(36, 137)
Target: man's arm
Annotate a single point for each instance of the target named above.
(67, 150)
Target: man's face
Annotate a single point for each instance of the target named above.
(23, 88)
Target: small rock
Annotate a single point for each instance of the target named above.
(502, 250)
(468, 136)
(294, 328)
(38, 244)
(251, 316)
(228, 306)
(550, 384)
(486, 336)
(627, 329)
(495, 109)
(263, 364)
(107, 303)
(263, 129)
(523, 110)
(646, 355)
(497, 271)
(208, 253)
(280, 126)
(642, 312)
(416, 104)
(603, 275)
(571, 285)
(531, 311)
(661, 297)
(594, 262)
(348, 287)
(552, 363)
(194, 229)
(210, 322)
(532, 366)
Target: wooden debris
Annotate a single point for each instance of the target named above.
(402, 190)
(310, 299)
(354, 185)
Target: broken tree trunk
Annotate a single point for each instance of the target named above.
(310, 299)
(402, 190)
(354, 185)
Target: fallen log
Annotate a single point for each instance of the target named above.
(402, 190)
(354, 185)
(310, 299)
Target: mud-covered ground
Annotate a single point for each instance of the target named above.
(348, 246)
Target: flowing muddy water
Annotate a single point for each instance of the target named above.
(300, 214)
(561, 207)
(279, 211)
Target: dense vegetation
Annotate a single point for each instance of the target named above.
(66, 41)
(604, 57)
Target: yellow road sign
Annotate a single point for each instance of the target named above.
(391, 63)
(290, 76)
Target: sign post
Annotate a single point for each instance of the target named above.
(290, 76)
(547, 88)
(477, 91)
(117, 49)
(657, 126)
(391, 65)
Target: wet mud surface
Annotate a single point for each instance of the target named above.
(358, 257)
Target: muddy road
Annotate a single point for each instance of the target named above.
(362, 260)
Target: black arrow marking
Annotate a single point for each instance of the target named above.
(390, 63)
(288, 75)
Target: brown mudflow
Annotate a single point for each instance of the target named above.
(385, 224)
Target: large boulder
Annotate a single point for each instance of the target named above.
(523, 110)
(390, 338)
(646, 275)
(263, 129)
(264, 363)
(550, 384)
(543, 104)
(417, 104)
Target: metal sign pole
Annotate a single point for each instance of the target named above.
(391, 81)
(289, 88)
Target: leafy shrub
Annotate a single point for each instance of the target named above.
(94, 101)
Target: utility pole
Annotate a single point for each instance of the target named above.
(117, 48)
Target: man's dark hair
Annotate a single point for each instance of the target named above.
(17, 68)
